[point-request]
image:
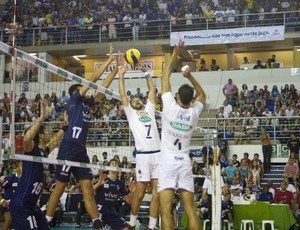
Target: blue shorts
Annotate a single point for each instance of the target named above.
(114, 220)
(72, 152)
(28, 218)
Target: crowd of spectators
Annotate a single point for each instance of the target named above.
(245, 108)
(127, 20)
(242, 183)
(246, 111)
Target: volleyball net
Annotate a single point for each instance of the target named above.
(37, 78)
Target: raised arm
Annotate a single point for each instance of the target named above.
(33, 130)
(151, 89)
(124, 98)
(200, 92)
(98, 73)
(165, 78)
(56, 139)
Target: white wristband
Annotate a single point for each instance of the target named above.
(147, 74)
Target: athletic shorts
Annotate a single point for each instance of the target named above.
(28, 218)
(146, 167)
(114, 220)
(72, 152)
(175, 172)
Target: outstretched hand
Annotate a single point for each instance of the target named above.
(43, 105)
(180, 47)
(141, 67)
(120, 59)
(102, 178)
(122, 70)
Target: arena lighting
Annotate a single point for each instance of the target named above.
(76, 58)
(80, 56)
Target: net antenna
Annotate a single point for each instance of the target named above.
(13, 83)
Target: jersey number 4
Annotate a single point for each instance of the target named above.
(178, 143)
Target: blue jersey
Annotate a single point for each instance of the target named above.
(78, 111)
(31, 181)
(107, 194)
(10, 185)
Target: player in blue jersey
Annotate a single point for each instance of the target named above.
(108, 190)
(23, 205)
(9, 184)
(73, 146)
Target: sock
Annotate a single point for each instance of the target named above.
(152, 222)
(133, 219)
(49, 218)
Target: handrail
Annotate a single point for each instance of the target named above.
(74, 34)
(121, 136)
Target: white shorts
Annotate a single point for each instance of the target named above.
(146, 167)
(175, 172)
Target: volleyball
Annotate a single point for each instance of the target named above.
(132, 56)
(246, 197)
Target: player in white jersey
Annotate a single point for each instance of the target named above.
(179, 119)
(141, 119)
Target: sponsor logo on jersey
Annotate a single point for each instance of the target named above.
(143, 116)
(85, 115)
(181, 126)
(106, 186)
(184, 117)
(145, 119)
(111, 195)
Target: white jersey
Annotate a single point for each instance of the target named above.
(143, 127)
(178, 125)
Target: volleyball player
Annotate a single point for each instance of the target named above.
(179, 119)
(9, 184)
(23, 205)
(108, 190)
(143, 126)
(73, 145)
